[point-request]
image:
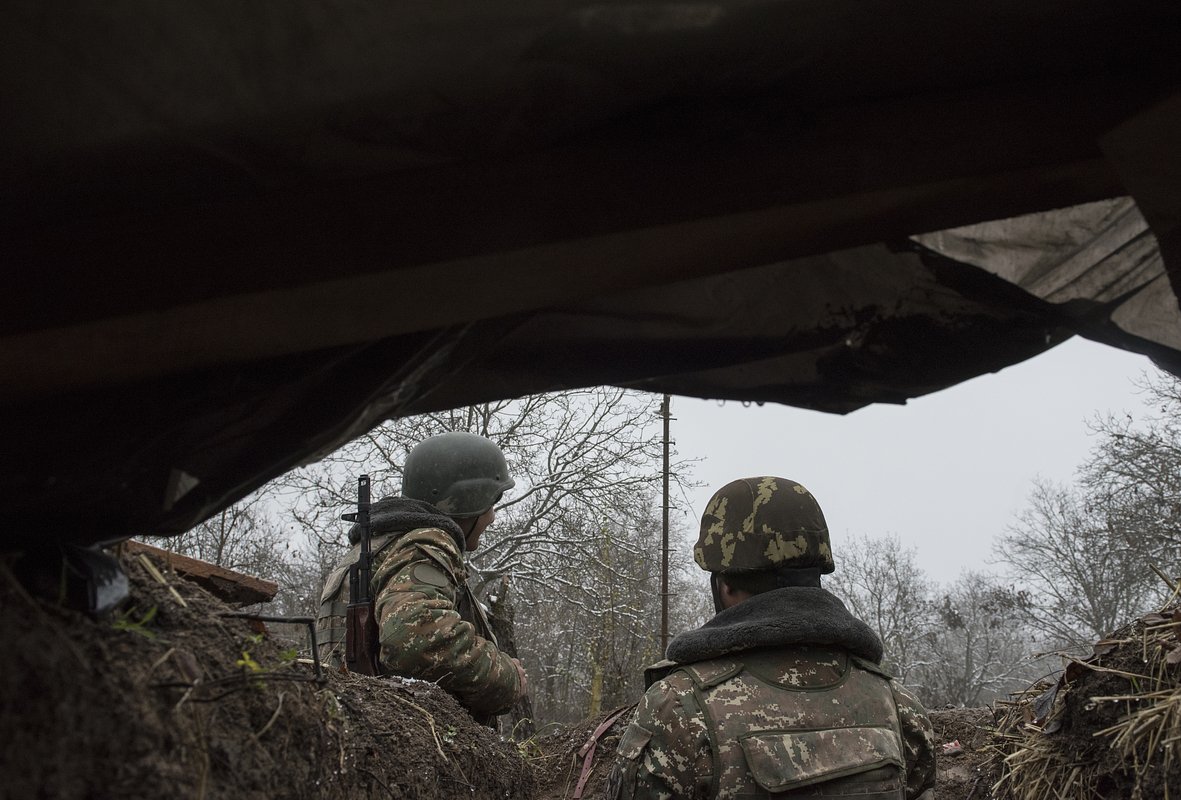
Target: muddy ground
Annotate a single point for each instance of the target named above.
(169, 697)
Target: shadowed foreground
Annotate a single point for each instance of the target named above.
(170, 698)
(167, 699)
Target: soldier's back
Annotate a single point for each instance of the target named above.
(800, 721)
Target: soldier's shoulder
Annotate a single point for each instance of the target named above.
(676, 681)
(916, 724)
(438, 543)
(666, 691)
(871, 666)
(673, 694)
(904, 697)
(654, 672)
(665, 700)
(427, 556)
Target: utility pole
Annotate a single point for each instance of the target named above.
(664, 412)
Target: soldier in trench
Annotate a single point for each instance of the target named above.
(780, 695)
(431, 626)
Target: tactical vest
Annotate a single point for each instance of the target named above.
(827, 729)
(334, 601)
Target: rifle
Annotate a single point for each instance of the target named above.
(360, 637)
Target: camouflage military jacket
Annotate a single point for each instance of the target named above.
(430, 624)
(781, 717)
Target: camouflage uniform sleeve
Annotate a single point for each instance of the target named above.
(918, 742)
(423, 636)
(664, 754)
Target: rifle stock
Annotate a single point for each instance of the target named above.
(361, 620)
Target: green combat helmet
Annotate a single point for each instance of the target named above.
(461, 474)
(763, 524)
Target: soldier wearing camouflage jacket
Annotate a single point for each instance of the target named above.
(780, 695)
(431, 626)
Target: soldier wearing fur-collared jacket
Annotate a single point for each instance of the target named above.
(780, 695)
(431, 626)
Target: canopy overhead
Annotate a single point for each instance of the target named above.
(236, 234)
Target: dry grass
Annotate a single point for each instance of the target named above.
(1152, 730)
(1032, 765)
(1137, 741)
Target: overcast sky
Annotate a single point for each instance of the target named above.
(946, 472)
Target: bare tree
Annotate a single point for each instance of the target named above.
(1134, 475)
(576, 455)
(980, 648)
(1084, 577)
(590, 633)
(883, 586)
(962, 645)
(248, 537)
(242, 537)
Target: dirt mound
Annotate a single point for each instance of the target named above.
(559, 758)
(963, 740)
(170, 699)
(1110, 727)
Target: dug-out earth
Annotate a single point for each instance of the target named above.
(169, 697)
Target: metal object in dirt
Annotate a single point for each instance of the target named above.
(93, 580)
(309, 621)
(587, 751)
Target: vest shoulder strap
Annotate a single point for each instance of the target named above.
(869, 666)
(706, 674)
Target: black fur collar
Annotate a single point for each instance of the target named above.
(403, 514)
(793, 615)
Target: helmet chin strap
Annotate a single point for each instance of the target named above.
(466, 530)
(715, 586)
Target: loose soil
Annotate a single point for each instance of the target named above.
(169, 698)
(965, 771)
(558, 763)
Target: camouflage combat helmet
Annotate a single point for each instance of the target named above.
(461, 474)
(761, 524)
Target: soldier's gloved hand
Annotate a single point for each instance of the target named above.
(524, 678)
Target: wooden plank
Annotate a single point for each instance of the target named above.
(226, 584)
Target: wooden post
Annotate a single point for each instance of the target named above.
(664, 412)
